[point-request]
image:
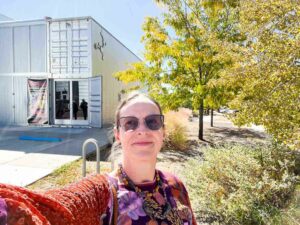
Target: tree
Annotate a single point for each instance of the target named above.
(183, 54)
(267, 73)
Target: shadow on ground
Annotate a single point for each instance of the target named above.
(236, 132)
(241, 136)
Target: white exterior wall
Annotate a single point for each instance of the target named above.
(23, 48)
(114, 57)
(70, 47)
(22, 55)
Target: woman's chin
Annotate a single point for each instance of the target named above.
(145, 155)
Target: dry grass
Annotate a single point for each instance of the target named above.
(69, 173)
(176, 129)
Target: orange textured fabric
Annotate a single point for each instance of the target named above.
(79, 203)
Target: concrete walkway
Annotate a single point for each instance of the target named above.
(22, 162)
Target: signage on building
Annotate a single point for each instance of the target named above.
(37, 104)
(100, 45)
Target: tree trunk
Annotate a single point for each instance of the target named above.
(211, 117)
(200, 135)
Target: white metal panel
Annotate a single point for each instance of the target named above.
(20, 100)
(21, 49)
(69, 46)
(38, 42)
(6, 50)
(51, 101)
(95, 101)
(84, 90)
(6, 100)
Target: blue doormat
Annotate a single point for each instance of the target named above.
(48, 139)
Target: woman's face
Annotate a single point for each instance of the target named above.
(141, 144)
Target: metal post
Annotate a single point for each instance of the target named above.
(95, 142)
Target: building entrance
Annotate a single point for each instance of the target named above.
(71, 102)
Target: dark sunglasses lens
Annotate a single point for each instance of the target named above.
(154, 122)
(129, 123)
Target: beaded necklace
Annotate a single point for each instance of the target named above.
(150, 206)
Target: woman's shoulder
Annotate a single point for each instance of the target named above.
(112, 178)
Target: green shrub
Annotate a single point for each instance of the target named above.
(176, 129)
(240, 185)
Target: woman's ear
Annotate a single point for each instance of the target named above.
(117, 134)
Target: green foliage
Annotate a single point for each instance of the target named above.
(183, 53)
(266, 75)
(244, 54)
(291, 214)
(240, 185)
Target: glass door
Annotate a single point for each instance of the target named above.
(71, 102)
(62, 102)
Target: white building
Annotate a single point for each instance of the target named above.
(48, 66)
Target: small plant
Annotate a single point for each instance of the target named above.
(240, 185)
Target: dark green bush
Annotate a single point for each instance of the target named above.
(241, 185)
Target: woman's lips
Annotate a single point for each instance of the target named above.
(143, 143)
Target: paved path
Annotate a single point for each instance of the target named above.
(22, 162)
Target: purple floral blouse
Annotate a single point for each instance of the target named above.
(3, 212)
(130, 204)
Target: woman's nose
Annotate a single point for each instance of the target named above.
(142, 126)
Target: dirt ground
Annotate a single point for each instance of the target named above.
(222, 133)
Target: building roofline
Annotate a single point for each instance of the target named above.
(91, 18)
(48, 19)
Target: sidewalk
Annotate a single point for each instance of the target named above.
(22, 162)
(220, 120)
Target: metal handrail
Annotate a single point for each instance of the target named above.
(85, 143)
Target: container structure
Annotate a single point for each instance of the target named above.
(60, 72)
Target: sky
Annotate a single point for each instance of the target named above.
(122, 18)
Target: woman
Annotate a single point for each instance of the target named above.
(144, 195)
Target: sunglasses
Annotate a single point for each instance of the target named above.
(153, 122)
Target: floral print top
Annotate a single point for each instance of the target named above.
(3, 212)
(130, 204)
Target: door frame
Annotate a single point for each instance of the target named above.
(70, 121)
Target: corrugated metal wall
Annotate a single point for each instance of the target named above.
(23, 48)
(13, 99)
(95, 101)
(6, 100)
(6, 50)
(38, 52)
(22, 51)
(70, 47)
(20, 99)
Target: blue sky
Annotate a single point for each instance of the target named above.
(122, 18)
